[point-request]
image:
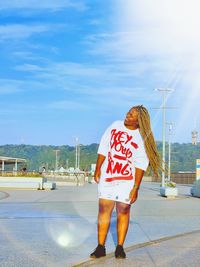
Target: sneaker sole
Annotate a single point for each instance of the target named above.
(120, 257)
(94, 257)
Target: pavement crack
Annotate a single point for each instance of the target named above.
(144, 232)
(151, 258)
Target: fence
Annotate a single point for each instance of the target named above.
(179, 178)
(183, 177)
(72, 179)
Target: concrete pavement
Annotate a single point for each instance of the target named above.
(58, 228)
(180, 251)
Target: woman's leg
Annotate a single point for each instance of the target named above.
(105, 211)
(123, 216)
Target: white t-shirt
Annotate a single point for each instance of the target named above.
(124, 151)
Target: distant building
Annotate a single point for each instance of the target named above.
(198, 169)
(92, 168)
(10, 161)
(194, 137)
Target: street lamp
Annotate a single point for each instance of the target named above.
(79, 155)
(169, 151)
(164, 91)
(76, 151)
(56, 164)
(67, 164)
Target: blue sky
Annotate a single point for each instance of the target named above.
(69, 68)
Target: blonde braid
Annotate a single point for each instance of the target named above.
(148, 138)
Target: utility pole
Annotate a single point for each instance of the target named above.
(67, 164)
(56, 163)
(47, 166)
(79, 155)
(76, 155)
(169, 152)
(164, 91)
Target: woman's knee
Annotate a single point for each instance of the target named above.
(122, 208)
(106, 206)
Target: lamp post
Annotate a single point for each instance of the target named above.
(76, 155)
(164, 91)
(67, 164)
(169, 151)
(56, 163)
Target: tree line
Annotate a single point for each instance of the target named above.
(183, 156)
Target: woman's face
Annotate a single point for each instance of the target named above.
(132, 117)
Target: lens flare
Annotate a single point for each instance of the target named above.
(68, 234)
(64, 240)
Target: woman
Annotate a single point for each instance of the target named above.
(126, 149)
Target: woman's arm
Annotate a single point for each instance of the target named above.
(138, 178)
(97, 173)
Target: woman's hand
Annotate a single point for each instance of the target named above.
(97, 175)
(133, 195)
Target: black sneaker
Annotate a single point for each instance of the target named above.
(99, 252)
(119, 252)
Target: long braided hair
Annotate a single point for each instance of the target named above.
(148, 138)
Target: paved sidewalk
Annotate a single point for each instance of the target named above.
(58, 228)
(178, 251)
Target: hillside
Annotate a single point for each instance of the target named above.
(183, 156)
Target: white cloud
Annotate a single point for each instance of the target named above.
(88, 79)
(21, 31)
(29, 67)
(9, 86)
(164, 31)
(98, 85)
(68, 105)
(27, 55)
(8, 90)
(160, 27)
(53, 5)
(165, 36)
(95, 22)
(102, 72)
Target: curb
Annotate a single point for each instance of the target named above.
(134, 247)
